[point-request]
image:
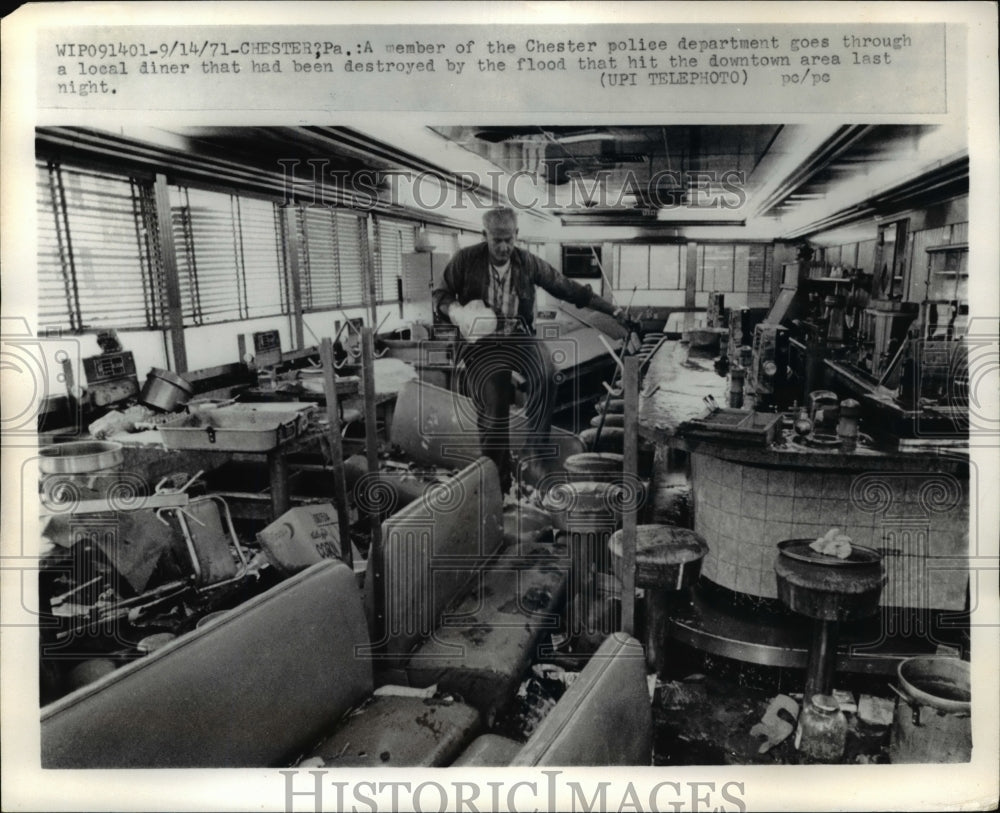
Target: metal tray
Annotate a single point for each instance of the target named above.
(238, 428)
(735, 426)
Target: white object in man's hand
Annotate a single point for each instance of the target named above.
(474, 320)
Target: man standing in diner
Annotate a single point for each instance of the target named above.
(488, 292)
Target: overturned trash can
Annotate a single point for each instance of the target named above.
(667, 561)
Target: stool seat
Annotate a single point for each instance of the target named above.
(827, 588)
(665, 556)
(595, 467)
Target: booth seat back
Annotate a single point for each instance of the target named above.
(432, 549)
(605, 716)
(254, 688)
(434, 425)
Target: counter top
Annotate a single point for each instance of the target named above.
(795, 456)
(681, 385)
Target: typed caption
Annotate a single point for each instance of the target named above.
(825, 68)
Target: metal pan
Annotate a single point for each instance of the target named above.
(80, 457)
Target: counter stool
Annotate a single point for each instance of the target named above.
(585, 514)
(667, 560)
(828, 590)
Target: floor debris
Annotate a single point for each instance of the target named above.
(876, 711)
(774, 727)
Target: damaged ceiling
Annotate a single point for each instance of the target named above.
(763, 181)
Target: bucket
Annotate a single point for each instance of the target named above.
(601, 467)
(932, 723)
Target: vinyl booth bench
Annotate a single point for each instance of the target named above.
(289, 676)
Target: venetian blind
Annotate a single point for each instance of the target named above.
(97, 257)
(394, 238)
(332, 249)
(229, 256)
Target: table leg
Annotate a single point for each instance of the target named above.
(277, 468)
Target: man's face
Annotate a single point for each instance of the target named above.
(500, 239)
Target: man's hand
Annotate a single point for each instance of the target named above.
(474, 320)
(622, 318)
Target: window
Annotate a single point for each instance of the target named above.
(97, 250)
(582, 262)
(230, 260)
(633, 267)
(444, 242)
(741, 269)
(393, 239)
(665, 268)
(331, 254)
(715, 267)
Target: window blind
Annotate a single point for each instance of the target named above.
(265, 292)
(331, 249)
(352, 248)
(229, 256)
(97, 255)
(394, 238)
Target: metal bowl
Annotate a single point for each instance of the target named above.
(80, 457)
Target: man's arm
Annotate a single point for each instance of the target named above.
(583, 296)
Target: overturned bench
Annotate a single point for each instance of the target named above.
(282, 678)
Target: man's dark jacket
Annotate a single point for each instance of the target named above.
(467, 277)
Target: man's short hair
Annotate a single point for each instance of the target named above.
(501, 216)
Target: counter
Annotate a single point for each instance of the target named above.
(913, 507)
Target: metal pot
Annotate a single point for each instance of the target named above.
(81, 457)
(932, 722)
(165, 390)
(939, 682)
